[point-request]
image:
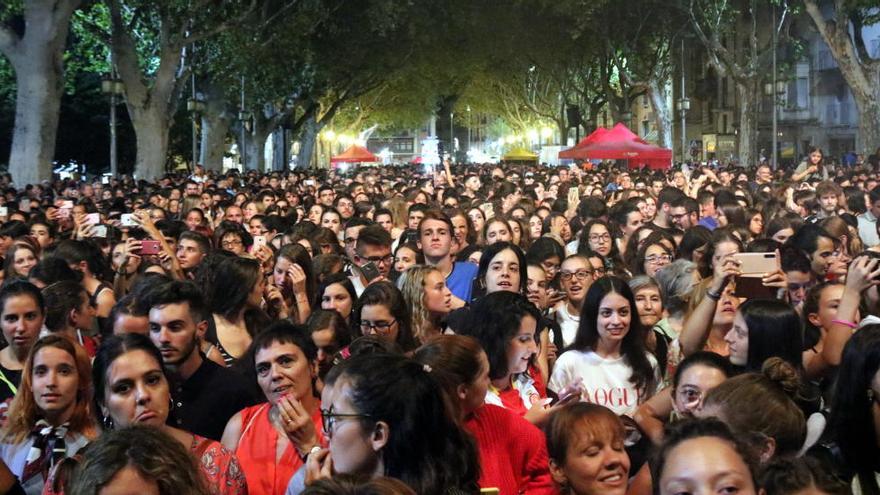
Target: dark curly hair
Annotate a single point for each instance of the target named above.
(495, 320)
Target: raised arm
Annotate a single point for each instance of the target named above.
(695, 330)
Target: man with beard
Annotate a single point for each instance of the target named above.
(204, 395)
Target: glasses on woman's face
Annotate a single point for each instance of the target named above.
(600, 237)
(380, 327)
(231, 243)
(580, 275)
(655, 259)
(329, 419)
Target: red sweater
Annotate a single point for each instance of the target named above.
(513, 452)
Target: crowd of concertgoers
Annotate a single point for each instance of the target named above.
(511, 329)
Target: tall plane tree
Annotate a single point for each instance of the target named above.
(33, 37)
(844, 32)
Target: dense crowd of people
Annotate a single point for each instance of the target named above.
(475, 329)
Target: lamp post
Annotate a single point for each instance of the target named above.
(468, 129)
(774, 89)
(243, 117)
(195, 105)
(683, 105)
(113, 86)
(451, 136)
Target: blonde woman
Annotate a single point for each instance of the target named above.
(429, 299)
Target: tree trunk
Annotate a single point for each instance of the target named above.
(38, 64)
(215, 128)
(37, 105)
(658, 94)
(861, 73)
(748, 124)
(307, 141)
(563, 128)
(280, 149)
(216, 122)
(151, 128)
(869, 123)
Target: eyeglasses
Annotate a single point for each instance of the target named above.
(329, 418)
(580, 275)
(232, 243)
(381, 327)
(378, 259)
(658, 258)
(600, 237)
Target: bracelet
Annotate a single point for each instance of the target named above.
(846, 323)
(713, 296)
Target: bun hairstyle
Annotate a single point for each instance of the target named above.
(762, 404)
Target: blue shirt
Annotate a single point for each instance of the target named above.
(461, 280)
(709, 222)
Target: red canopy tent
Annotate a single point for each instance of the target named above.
(592, 138)
(355, 154)
(620, 143)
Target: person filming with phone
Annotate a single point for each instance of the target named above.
(372, 257)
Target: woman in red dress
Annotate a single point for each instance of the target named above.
(131, 388)
(271, 439)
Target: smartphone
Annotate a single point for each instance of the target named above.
(93, 218)
(128, 220)
(309, 182)
(99, 231)
(566, 398)
(757, 264)
(67, 204)
(753, 288)
(4, 211)
(259, 241)
(370, 271)
(25, 205)
(65, 212)
(488, 210)
(150, 247)
(574, 196)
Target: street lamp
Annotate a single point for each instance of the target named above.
(113, 86)
(469, 128)
(774, 90)
(243, 117)
(683, 105)
(196, 106)
(451, 135)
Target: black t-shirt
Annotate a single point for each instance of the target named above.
(12, 376)
(204, 403)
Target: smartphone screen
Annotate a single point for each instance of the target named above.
(370, 271)
(150, 247)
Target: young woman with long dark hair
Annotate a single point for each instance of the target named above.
(608, 354)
